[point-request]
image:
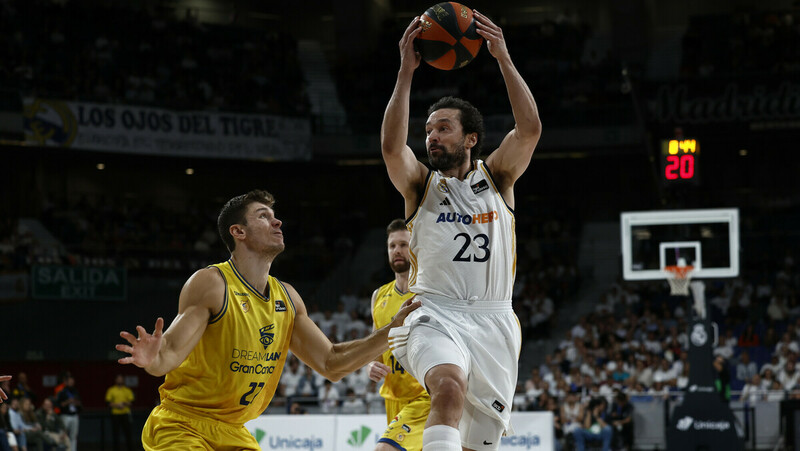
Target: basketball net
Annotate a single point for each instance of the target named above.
(679, 278)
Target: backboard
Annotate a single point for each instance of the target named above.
(707, 239)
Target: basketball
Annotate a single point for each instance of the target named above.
(448, 39)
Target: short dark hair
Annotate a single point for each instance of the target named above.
(471, 119)
(233, 212)
(396, 226)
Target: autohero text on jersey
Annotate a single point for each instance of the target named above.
(477, 218)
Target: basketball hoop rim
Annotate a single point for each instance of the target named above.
(678, 272)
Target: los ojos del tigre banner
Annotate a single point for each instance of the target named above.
(158, 131)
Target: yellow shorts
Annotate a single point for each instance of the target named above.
(406, 423)
(169, 430)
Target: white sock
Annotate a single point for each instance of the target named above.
(441, 438)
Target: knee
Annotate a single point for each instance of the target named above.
(448, 387)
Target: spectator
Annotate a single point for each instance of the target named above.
(571, 413)
(595, 426)
(71, 406)
(788, 376)
(753, 390)
(723, 378)
(358, 381)
(297, 409)
(55, 433)
(8, 441)
(34, 436)
(776, 392)
(374, 400)
(119, 399)
(22, 389)
(621, 419)
(18, 427)
(745, 369)
(749, 338)
(290, 379)
(328, 397)
(352, 404)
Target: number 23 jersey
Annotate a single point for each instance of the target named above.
(463, 243)
(232, 373)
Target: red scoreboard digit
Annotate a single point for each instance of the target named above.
(679, 160)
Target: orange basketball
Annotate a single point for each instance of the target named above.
(448, 39)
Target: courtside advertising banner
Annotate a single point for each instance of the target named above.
(159, 131)
(533, 431)
(294, 432)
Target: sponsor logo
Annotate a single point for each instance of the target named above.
(446, 201)
(290, 442)
(280, 306)
(267, 337)
(241, 294)
(699, 335)
(255, 355)
(522, 441)
(697, 388)
(358, 436)
(464, 218)
(487, 443)
(498, 406)
(480, 186)
(237, 367)
(687, 422)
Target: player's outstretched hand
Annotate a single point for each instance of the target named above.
(377, 371)
(410, 58)
(144, 349)
(493, 34)
(407, 307)
(3, 394)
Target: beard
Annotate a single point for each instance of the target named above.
(401, 267)
(448, 160)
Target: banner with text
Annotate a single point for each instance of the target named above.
(158, 131)
(533, 431)
(78, 282)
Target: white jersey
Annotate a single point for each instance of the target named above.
(463, 243)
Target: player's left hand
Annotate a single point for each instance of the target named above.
(407, 307)
(3, 394)
(493, 34)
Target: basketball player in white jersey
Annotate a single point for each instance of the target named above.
(463, 342)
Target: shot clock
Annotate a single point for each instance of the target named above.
(679, 161)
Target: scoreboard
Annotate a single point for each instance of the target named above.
(679, 161)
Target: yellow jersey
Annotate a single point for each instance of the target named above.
(232, 373)
(399, 384)
(117, 394)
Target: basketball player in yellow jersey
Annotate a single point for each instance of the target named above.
(224, 352)
(463, 342)
(407, 402)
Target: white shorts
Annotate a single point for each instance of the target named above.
(482, 338)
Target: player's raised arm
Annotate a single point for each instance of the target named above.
(334, 361)
(201, 297)
(513, 156)
(405, 171)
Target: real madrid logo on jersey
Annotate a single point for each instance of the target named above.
(267, 337)
(442, 186)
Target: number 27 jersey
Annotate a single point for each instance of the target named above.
(463, 243)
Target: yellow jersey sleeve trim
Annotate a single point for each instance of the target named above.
(224, 308)
(288, 297)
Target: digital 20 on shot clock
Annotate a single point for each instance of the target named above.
(679, 160)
